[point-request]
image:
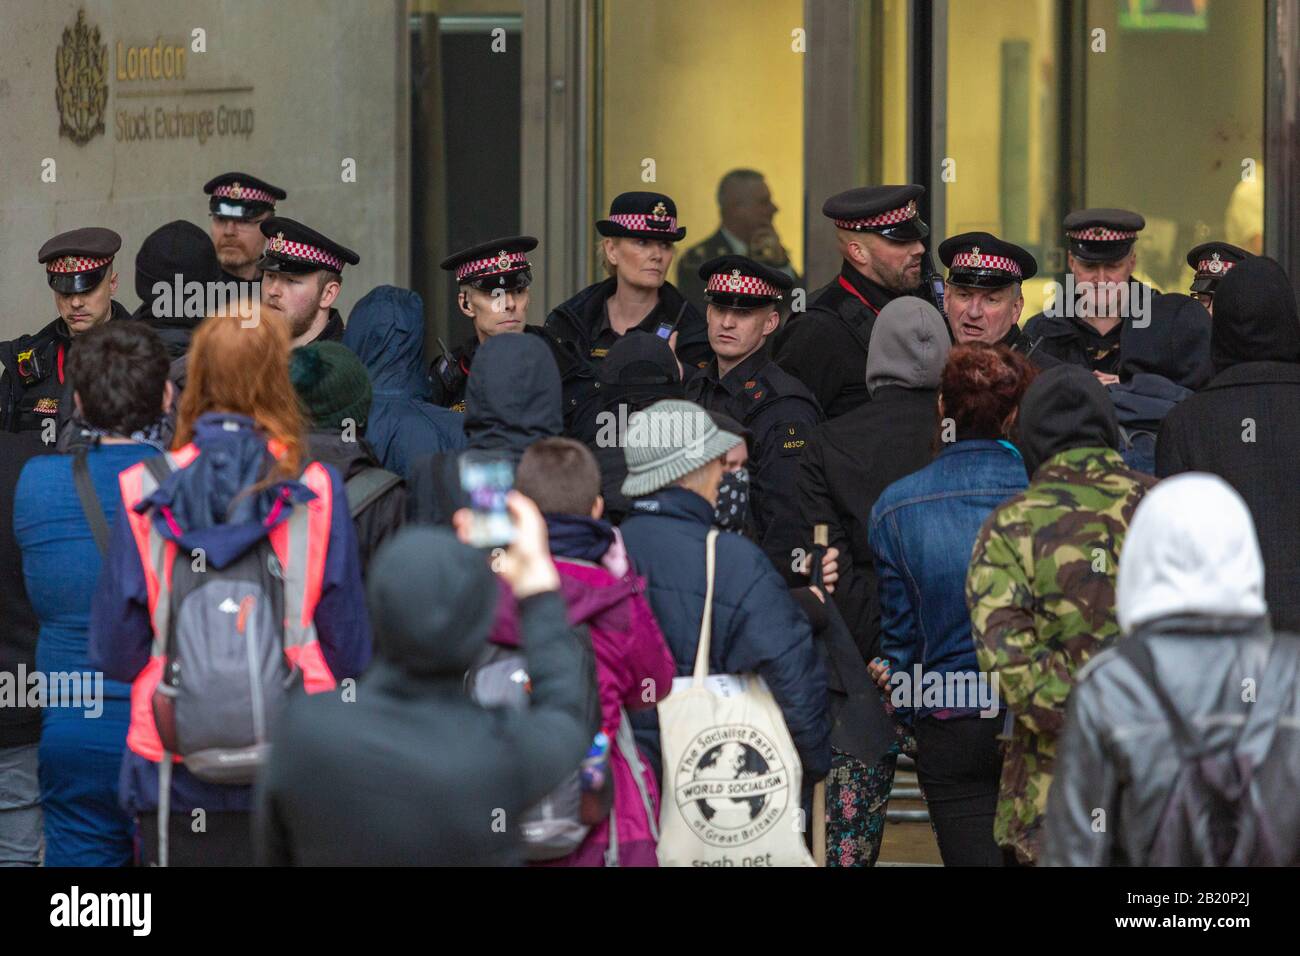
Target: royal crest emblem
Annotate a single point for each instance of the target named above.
(503, 260)
(1216, 264)
(68, 262)
(660, 211)
(277, 244)
(236, 191)
(911, 207)
(733, 280)
(975, 256)
(81, 72)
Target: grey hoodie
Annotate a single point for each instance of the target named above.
(909, 345)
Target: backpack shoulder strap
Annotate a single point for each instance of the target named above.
(368, 486)
(90, 500)
(1138, 653)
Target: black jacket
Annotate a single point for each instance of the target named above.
(512, 400)
(826, 347)
(846, 466)
(1244, 426)
(411, 771)
(381, 519)
(781, 414)
(575, 328)
(18, 624)
(24, 406)
(757, 627)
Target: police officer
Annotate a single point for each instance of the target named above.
(742, 381)
(879, 232)
(492, 281)
(982, 293)
(302, 272)
(238, 205)
(639, 241)
(1212, 260)
(1085, 328)
(79, 268)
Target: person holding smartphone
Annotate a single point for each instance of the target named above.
(639, 241)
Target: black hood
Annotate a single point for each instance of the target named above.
(1174, 344)
(1255, 316)
(513, 396)
(178, 248)
(1065, 407)
(432, 601)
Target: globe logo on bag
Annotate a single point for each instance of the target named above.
(731, 786)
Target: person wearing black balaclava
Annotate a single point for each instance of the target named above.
(1244, 426)
(413, 771)
(511, 400)
(171, 259)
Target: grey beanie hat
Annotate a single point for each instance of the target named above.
(670, 439)
(909, 345)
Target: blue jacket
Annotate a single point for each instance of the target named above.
(922, 530)
(201, 497)
(757, 627)
(386, 331)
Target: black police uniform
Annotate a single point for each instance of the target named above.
(772, 404)
(1095, 235)
(580, 327)
(1212, 261)
(34, 387)
(496, 264)
(240, 196)
(294, 248)
(826, 347)
(980, 260)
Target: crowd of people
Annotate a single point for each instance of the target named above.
(251, 614)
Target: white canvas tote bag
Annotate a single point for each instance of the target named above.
(731, 774)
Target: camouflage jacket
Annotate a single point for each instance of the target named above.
(1041, 592)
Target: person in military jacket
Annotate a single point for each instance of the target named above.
(982, 292)
(492, 280)
(879, 232)
(1041, 584)
(746, 211)
(79, 268)
(640, 236)
(742, 381)
(1087, 328)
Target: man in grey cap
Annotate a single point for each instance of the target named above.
(675, 455)
(850, 460)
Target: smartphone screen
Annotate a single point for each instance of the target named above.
(486, 479)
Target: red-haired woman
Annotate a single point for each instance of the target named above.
(922, 529)
(235, 498)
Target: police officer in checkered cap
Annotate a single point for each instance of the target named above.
(79, 268)
(744, 382)
(302, 273)
(879, 231)
(492, 291)
(238, 204)
(1212, 261)
(1101, 255)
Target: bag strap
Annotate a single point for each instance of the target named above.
(367, 486)
(625, 741)
(1138, 653)
(706, 624)
(90, 501)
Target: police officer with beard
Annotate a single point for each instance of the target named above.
(238, 205)
(744, 382)
(79, 268)
(879, 231)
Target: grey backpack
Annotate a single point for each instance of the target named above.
(1214, 815)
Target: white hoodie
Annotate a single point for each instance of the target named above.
(1190, 549)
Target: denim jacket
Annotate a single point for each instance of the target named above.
(922, 531)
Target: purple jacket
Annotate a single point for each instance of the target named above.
(634, 670)
(120, 629)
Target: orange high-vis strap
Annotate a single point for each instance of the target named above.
(301, 542)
